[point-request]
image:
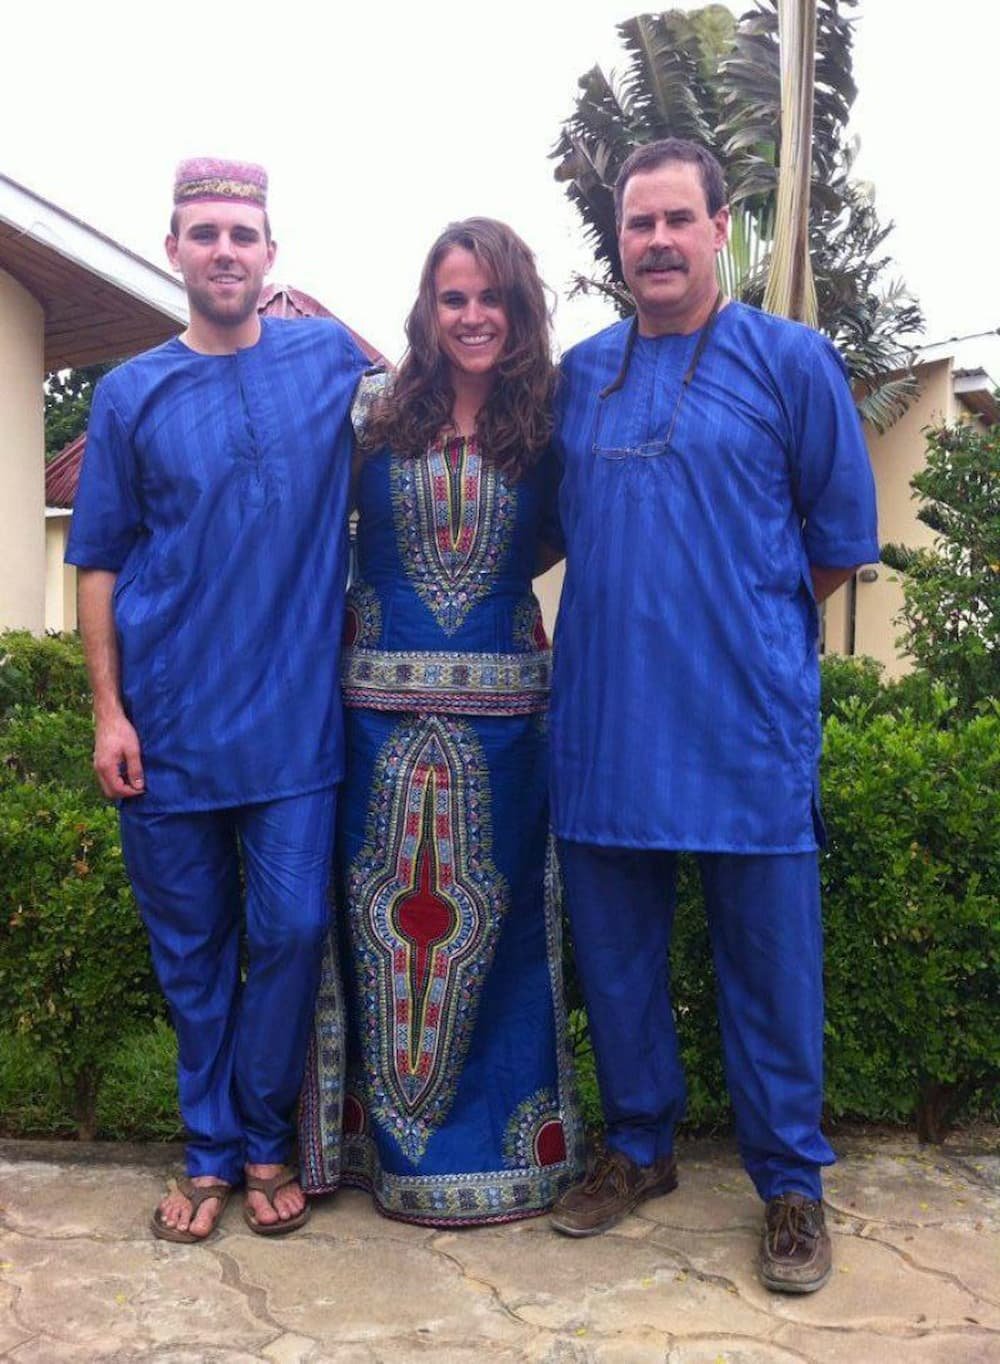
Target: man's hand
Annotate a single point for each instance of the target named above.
(117, 758)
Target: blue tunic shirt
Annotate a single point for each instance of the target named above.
(215, 487)
(685, 709)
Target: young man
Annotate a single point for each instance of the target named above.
(716, 487)
(210, 533)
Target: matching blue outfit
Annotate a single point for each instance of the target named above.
(686, 706)
(215, 487)
(459, 1104)
(685, 717)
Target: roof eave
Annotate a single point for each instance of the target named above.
(149, 304)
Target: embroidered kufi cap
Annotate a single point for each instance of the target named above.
(207, 178)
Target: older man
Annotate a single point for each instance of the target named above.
(716, 488)
(210, 533)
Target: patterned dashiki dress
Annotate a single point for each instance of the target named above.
(458, 1105)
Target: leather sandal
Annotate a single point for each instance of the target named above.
(269, 1187)
(196, 1194)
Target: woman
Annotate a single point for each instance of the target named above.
(458, 1106)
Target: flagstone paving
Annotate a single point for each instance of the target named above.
(916, 1234)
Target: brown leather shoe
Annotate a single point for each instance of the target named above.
(795, 1252)
(613, 1187)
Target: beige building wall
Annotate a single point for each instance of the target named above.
(22, 468)
(897, 454)
(60, 577)
(548, 590)
(836, 620)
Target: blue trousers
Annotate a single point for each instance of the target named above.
(241, 1044)
(766, 931)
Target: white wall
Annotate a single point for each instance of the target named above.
(60, 577)
(22, 464)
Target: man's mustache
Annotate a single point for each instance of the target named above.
(662, 259)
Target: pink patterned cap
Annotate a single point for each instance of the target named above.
(208, 178)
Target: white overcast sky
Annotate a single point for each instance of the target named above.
(380, 122)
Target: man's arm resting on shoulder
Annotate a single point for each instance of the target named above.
(117, 758)
(825, 581)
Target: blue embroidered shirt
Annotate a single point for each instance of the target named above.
(215, 487)
(685, 704)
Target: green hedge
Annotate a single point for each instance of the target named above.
(136, 1100)
(912, 890)
(46, 672)
(74, 965)
(911, 893)
(40, 746)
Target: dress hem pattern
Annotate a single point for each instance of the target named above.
(332, 1159)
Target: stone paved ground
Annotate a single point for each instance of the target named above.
(917, 1280)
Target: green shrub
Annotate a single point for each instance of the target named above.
(137, 1100)
(853, 690)
(74, 965)
(911, 894)
(32, 1101)
(855, 682)
(585, 1068)
(924, 698)
(39, 745)
(138, 1095)
(47, 671)
(693, 991)
(951, 591)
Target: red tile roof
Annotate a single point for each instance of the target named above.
(62, 474)
(281, 300)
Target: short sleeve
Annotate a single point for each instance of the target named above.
(107, 516)
(833, 484)
(371, 386)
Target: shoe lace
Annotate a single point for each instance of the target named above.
(790, 1224)
(609, 1168)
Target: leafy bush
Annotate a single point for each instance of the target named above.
(693, 991)
(74, 965)
(853, 690)
(137, 1100)
(951, 593)
(912, 885)
(856, 682)
(923, 697)
(32, 1101)
(50, 746)
(911, 889)
(47, 672)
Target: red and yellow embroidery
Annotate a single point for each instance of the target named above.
(454, 515)
(426, 904)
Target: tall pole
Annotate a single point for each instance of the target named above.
(791, 291)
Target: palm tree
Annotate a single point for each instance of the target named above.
(707, 76)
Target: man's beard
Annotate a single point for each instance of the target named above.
(239, 310)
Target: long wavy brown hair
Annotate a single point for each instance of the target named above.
(515, 422)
